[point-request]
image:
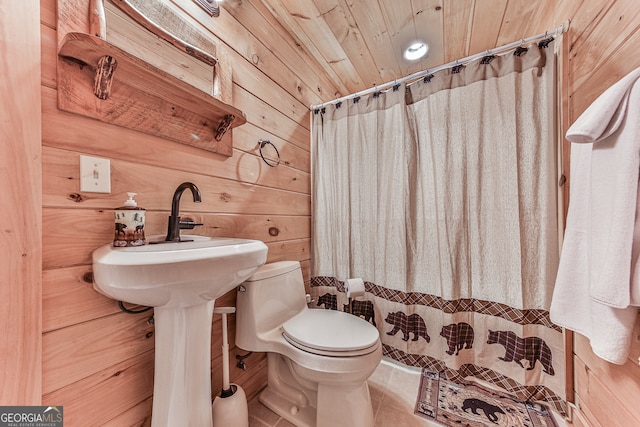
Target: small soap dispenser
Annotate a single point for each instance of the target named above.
(129, 221)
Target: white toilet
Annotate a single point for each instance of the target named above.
(318, 360)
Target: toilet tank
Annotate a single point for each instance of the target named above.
(271, 296)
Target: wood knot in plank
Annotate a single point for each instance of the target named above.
(88, 277)
(76, 197)
(273, 231)
(225, 197)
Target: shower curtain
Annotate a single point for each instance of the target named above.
(442, 196)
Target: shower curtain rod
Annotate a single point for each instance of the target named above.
(416, 76)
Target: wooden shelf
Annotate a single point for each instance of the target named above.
(140, 96)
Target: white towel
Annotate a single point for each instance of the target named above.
(597, 283)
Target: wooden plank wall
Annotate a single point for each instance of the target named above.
(20, 199)
(98, 361)
(604, 40)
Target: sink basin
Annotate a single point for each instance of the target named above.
(181, 280)
(176, 273)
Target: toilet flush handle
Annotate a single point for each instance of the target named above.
(242, 289)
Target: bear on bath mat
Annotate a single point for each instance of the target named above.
(362, 309)
(458, 335)
(489, 410)
(530, 348)
(407, 324)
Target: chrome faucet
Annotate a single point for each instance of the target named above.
(173, 229)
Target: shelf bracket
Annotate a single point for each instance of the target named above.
(224, 126)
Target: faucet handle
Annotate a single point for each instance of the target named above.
(188, 224)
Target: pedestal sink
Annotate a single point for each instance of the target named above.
(181, 280)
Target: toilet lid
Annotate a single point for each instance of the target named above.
(330, 331)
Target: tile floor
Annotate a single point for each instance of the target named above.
(393, 391)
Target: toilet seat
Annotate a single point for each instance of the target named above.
(331, 333)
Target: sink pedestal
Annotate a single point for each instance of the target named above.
(181, 280)
(182, 377)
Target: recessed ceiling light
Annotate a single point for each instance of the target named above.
(416, 51)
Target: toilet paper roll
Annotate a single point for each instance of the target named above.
(354, 287)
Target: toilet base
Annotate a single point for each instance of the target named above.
(307, 404)
(306, 417)
(301, 417)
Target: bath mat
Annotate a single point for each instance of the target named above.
(471, 405)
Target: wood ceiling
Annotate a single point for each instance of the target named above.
(360, 43)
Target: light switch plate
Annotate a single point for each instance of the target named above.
(95, 175)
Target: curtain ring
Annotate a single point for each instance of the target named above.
(262, 143)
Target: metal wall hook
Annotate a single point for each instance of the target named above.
(262, 143)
